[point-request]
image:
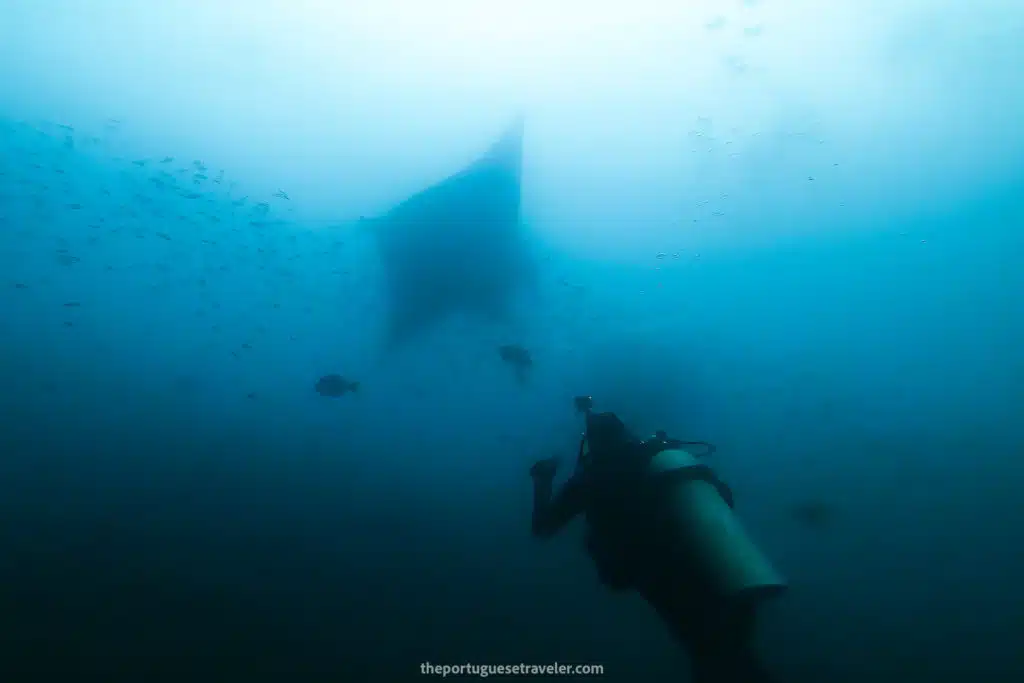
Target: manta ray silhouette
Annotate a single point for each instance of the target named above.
(456, 247)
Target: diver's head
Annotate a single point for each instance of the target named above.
(606, 434)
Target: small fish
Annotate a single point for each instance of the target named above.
(515, 354)
(166, 160)
(335, 386)
(814, 514)
(280, 194)
(519, 358)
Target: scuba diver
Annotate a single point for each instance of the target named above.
(661, 523)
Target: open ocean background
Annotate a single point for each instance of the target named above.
(790, 228)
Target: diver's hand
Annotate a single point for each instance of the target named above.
(544, 470)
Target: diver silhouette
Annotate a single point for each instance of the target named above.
(659, 522)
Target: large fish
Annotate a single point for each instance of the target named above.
(457, 247)
(335, 386)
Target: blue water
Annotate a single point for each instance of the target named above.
(791, 230)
